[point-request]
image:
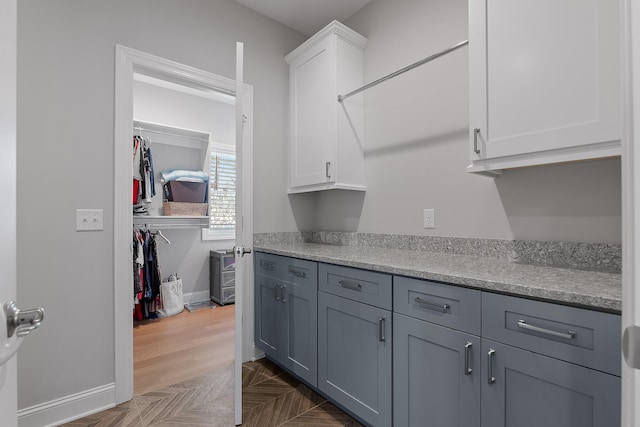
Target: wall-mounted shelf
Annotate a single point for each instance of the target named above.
(171, 221)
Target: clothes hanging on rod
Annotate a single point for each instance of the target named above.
(143, 175)
(147, 277)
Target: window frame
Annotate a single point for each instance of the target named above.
(227, 149)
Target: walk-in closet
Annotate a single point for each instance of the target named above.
(182, 204)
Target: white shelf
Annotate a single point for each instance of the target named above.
(171, 221)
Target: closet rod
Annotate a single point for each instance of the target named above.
(141, 129)
(404, 70)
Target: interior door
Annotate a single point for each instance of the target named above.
(244, 225)
(8, 47)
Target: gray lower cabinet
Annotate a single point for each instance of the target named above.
(354, 359)
(436, 375)
(526, 389)
(286, 315)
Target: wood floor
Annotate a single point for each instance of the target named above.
(183, 376)
(171, 350)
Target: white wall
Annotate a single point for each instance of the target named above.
(65, 158)
(416, 128)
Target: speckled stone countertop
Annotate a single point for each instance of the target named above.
(596, 290)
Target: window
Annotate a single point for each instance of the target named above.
(222, 194)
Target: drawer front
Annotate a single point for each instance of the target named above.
(360, 285)
(585, 337)
(446, 305)
(228, 279)
(300, 272)
(268, 265)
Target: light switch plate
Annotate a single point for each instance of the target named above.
(89, 219)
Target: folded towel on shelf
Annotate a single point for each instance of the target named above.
(184, 175)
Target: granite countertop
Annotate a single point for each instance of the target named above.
(596, 290)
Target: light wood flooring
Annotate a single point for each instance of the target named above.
(183, 376)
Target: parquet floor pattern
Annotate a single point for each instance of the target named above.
(271, 397)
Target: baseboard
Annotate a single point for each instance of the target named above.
(196, 296)
(68, 408)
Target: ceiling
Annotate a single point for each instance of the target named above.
(306, 16)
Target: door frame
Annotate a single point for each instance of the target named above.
(127, 62)
(630, 32)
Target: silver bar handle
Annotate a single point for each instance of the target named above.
(298, 273)
(381, 325)
(440, 307)
(267, 265)
(277, 289)
(283, 293)
(491, 379)
(327, 166)
(21, 322)
(476, 131)
(567, 335)
(354, 286)
(467, 358)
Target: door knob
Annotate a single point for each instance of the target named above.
(15, 324)
(240, 251)
(631, 346)
(21, 322)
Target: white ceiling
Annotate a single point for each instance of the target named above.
(306, 16)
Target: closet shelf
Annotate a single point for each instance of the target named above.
(171, 221)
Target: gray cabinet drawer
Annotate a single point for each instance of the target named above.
(292, 270)
(445, 305)
(300, 272)
(360, 285)
(268, 265)
(585, 337)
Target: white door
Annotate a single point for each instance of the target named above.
(8, 371)
(244, 218)
(631, 215)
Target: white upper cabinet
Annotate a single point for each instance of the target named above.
(326, 139)
(544, 82)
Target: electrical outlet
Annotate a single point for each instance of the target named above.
(429, 218)
(89, 219)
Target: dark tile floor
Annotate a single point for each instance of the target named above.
(270, 398)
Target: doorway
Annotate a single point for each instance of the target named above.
(128, 63)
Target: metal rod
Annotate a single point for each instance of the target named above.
(404, 70)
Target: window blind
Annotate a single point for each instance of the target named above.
(222, 191)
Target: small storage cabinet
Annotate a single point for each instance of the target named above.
(355, 341)
(222, 277)
(326, 137)
(539, 93)
(286, 317)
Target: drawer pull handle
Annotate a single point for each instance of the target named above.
(277, 289)
(267, 265)
(490, 379)
(476, 131)
(467, 358)
(567, 335)
(381, 324)
(298, 273)
(283, 293)
(426, 304)
(350, 285)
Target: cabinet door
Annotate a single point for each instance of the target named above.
(267, 316)
(436, 375)
(531, 390)
(544, 78)
(299, 336)
(313, 115)
(354, 357)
